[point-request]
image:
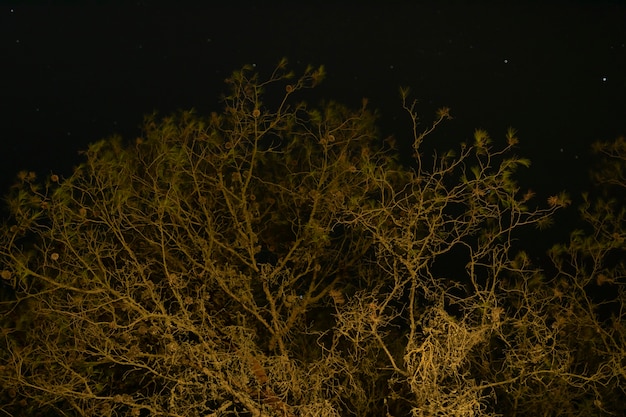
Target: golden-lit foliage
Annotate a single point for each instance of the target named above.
(277, 260)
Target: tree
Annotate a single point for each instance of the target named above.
(278, 260)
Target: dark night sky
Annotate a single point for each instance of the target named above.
(75, 73)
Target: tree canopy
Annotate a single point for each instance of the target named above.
(279, 259)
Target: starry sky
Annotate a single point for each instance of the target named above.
(74, 73)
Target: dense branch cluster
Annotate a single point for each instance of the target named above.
(280, 260)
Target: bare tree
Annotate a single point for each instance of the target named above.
(279, 260)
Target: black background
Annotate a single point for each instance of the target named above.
(73, 73)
